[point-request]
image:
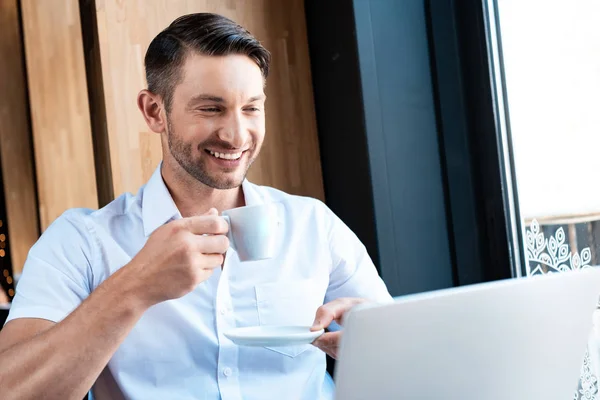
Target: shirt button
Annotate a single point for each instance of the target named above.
(227, 371)
(223, 311)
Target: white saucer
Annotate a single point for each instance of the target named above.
(272, 336)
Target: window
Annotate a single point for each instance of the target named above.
(552, 76)
(548, 62)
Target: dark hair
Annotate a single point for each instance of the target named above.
(205, 33)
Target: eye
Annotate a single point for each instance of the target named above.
(209, 109)
(253, 109)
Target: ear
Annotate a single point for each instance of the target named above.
(152, 106)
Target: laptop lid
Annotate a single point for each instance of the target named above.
(514, 339)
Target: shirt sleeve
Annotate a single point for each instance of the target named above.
(353, 273)
(56, 276)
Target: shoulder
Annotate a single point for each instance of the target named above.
(75, 227)
(303, 212)
(294, 203)
(122, 206)
(88, 220)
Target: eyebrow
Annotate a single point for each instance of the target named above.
(217, 99)
(206, 97)
(255, 98)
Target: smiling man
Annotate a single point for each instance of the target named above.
(131, 300)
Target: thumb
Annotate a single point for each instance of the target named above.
(333, 311)
(323, 318)
(211, 211)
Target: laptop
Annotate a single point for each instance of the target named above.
(514, 339)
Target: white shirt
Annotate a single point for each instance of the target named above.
(177, 350)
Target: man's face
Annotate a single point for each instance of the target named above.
(216, 125)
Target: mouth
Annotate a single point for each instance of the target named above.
(226, 156)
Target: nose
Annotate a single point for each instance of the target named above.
(234, 130)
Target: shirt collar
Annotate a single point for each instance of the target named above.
(252, 194)
(158, 206)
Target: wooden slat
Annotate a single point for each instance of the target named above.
(16, 150)
(59, 107)
(290, 157)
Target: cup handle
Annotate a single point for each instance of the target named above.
(227, 219)
(229, 235)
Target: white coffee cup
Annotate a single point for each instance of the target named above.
(254, 230)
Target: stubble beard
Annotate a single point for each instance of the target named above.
(182, 152)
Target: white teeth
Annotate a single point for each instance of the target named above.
(226, 156)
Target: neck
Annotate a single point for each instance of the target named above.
(192, 197)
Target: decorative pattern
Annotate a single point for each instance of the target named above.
(552, 255)
(588, 384)
(547, 256)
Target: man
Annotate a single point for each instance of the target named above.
(133, 299)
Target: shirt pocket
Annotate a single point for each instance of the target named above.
(288, 303)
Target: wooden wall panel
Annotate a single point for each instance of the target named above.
(59, 107)
(15, 139)
(290, 158)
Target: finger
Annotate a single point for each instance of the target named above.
(333, 310)
(332, 352)
(213, 244)
(329, 343)
(205, 224)
(212, 211)
(212, 261)
(329, 339)
(327, 313)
